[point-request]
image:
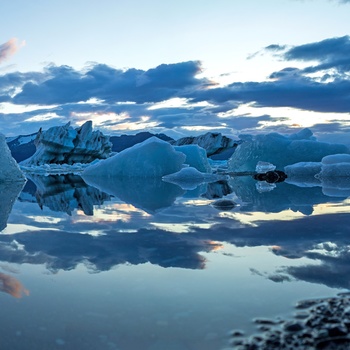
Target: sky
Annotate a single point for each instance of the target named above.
(176, 67)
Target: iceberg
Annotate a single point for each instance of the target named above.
(9, 169)
(66, 145)
(196, 157)
(335, 175)
(332, 174)
(151, 158)
(303, 174)
(281, 150)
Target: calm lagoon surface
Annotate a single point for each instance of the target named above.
(147, 265)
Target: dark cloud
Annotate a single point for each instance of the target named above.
(324, 51)
(61, 89)
(64, 84)
(301, 92)
(332, 53)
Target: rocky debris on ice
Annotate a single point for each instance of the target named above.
(318, 324)
(151, 158)
(213, 143)
(281, 150)
(66, 145)
(9, 169)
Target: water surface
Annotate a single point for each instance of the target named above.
(133, 264)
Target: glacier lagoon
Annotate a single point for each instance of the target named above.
(149, 265)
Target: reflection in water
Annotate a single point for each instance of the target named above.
(153, 231)
(149, 194)
(283, 196)
(9, 191)
(12, 286)
(66, 193)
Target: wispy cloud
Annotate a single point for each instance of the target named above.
(9, 48)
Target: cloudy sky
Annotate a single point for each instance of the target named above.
(178, 67)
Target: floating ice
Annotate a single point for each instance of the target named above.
(335, 175)
(281, 150)
(196, 157)
(332, 174)
(64, 144)
(303, 174)
(151, 158)
(9, 169)
(264, 167)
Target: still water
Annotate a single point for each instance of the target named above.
(133, 265)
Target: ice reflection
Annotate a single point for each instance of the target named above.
(166, 262)
(9, 192)
(149, 194)
(152, 221)
(66, 193)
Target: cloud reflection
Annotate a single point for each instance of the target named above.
(12, 286)
(176, 230)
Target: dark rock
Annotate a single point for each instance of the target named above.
(293, 326)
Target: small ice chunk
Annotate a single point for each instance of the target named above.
(264, 167)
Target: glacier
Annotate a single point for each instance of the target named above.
(66, 145)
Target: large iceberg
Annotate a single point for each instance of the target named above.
(281, 150)
(9, 169)
(151, 158)
(66, 145)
